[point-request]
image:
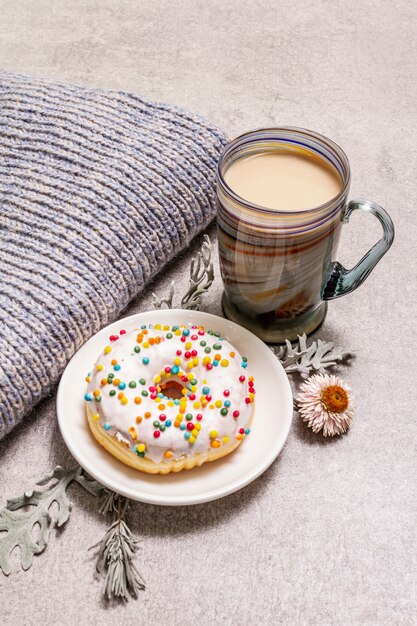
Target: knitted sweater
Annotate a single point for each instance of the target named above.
(98, 191)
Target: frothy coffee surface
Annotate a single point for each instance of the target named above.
(283, 181)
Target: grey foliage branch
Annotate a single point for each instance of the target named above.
(201, 279)
(26, 521)
(117, 551)
(158, 303)
(201, 276)
(317, 357)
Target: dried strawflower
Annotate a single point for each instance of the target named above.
(324, 404)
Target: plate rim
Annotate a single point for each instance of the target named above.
(207, 496)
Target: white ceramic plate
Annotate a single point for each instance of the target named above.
(270, 426)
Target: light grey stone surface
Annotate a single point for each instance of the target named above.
(328, 534)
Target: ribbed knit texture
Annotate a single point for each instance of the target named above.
(98, 190)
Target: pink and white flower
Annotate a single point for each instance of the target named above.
(325, 405)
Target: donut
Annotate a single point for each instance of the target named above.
(166, 398)
(162, 399)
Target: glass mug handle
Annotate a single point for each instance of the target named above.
(341, 281)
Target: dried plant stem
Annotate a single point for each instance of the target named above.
(201, 276)
(159, 302)
(201, 279)
(23, 514)
(317, 357)
(117, 552)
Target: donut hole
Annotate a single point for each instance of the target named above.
(172, 389)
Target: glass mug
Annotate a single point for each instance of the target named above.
(278, 267)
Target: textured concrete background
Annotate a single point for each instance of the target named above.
(328, 534)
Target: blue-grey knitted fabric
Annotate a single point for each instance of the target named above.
(98, 191)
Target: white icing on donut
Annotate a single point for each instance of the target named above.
(119, 413)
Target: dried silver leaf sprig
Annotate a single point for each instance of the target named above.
(26, 521)
(117, 551)
(159, 303)
(201, 279)
(201, 276)
(317, 357)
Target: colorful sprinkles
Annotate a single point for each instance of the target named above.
(180, 387)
